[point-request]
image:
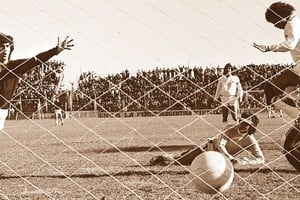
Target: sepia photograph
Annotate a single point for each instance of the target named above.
(150, 99)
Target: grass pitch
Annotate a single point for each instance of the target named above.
(93, 158)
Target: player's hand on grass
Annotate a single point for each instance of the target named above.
(243, 161)
(247, 161)
(234, 160)
(65, 44)
(240, 161)
(262, 48)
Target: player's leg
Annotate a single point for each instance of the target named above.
(184, 158)
(281, 113)
(282, 86)
(56, 117)
(187, 157)
(289, 82)
(237, 111)
(278, 85)
(270, 112)
(292, 147)
(3, 115)
(61, 118)
(292, 92)
(289, 110)
(225, 113)
(234, 110)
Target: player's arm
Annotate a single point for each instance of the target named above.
(255, 150)
(240, 91)
(221, 146)
(292, 36)
(218, 90)
(23, 65)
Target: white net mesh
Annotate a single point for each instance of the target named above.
(114, 124)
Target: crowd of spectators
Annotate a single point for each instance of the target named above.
(37, 87)
(181, 88)
(160, 89)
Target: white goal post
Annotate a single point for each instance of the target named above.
(16, 108)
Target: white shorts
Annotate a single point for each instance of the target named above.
(58, 112)
(229, 100)
(3, 115)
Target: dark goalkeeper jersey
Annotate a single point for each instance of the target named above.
(13, 71)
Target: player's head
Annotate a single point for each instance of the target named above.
(6, 47)
(248, 123)
(227, 69)
(279, 13)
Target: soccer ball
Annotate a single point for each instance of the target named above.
(212, 172)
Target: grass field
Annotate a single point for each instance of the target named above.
(93, 158)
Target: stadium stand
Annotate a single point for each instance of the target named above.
(37, 88)
(162, 89)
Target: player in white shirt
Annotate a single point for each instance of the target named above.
(282, 15)
(58, 112)
(283, 91)
(230, 93)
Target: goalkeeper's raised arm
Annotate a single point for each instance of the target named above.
(12, 70)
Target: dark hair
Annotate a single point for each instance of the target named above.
(278, 11)
(7, 39)
(253, 118)
(226, 67)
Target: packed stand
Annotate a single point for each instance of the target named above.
(37, 87)
(161, 89)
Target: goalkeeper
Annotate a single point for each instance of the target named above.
(234, 140)
(12, 70)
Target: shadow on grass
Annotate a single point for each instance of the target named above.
(165, 148)
(137, 149)
(144, 173)
(127, 173)
(266, 170)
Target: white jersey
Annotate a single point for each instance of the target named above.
(231, 143)
(292, 39)
(229, 89)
